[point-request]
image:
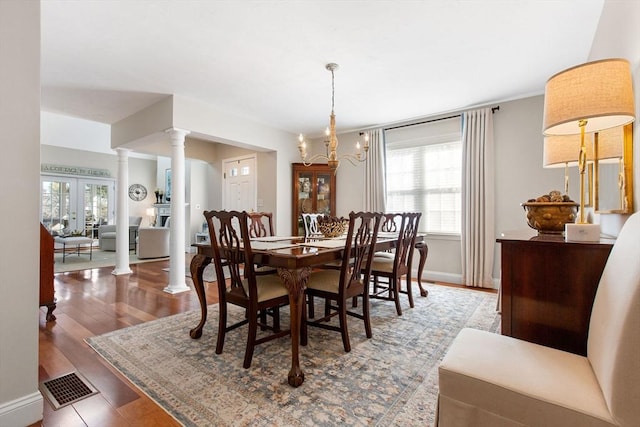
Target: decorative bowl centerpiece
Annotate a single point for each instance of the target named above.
(331, 226)
(550, 212)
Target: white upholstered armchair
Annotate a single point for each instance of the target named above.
(493, 380)
(153, 242)
(107, 234)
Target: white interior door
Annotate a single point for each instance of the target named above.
(239, 186)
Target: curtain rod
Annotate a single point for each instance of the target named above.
(493, 110)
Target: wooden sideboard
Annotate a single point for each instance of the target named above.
(548, 287)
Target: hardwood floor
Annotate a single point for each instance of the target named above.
(93, 302)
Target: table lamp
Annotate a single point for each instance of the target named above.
(151, 213)
(588, 98)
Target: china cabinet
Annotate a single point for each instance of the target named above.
(314, 191)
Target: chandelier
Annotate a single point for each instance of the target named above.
(331, 140)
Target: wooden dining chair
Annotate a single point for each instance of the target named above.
(260, 224)
(340, 286)
(310, 221)
(387, 269)
(246, 289)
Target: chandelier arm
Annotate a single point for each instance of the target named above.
(314, 158)
(352, 158)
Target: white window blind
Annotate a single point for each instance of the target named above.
(424, 173)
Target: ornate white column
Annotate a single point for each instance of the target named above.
(122, 214)
(177, 262)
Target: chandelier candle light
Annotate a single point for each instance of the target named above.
(331, 140)
(588, 98)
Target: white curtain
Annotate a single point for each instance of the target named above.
(374, 174)
(477, 237)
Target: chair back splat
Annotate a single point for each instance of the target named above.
(310, 221)
(390, 222)
(260, 224)
(258, 294)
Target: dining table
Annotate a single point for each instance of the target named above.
(294, 258)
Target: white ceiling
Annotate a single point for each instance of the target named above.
(264, 60)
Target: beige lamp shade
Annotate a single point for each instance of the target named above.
(611, 143)
(563, 150)
(600, 92)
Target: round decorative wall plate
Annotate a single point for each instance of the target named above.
(137, 192)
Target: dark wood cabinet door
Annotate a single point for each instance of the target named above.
(548, 288)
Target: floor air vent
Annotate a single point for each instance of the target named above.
(67, 389)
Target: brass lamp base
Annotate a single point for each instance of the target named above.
(582, 232)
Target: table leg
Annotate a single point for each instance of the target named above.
(295, 281)
(198, 264)
(423, 249)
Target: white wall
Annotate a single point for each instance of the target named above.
(20, 401)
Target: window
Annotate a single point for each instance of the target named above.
(424, 173)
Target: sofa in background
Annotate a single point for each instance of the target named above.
(107, 234)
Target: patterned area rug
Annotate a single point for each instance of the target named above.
(388, 380)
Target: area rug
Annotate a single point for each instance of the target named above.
(73, 262)
(388, 380)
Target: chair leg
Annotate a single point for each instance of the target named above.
(327, 307)
(222, 327)
(409, 292)
(263, 319)
(312, 311)
(276, 319)
(342, 316)
(366, 314)
(251, 339)
(394, 286)
(304, 336)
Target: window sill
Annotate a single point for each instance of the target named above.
(442, 236)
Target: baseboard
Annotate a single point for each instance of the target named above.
(439, 276)
(456, 279)
(23, 411)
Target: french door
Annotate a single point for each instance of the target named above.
(70, 204)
